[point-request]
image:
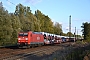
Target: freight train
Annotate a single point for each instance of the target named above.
(31, 39)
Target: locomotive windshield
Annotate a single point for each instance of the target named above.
(23, 34)
(20, 34)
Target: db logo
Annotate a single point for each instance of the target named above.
(38, 38)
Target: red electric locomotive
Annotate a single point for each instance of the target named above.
(30, 38)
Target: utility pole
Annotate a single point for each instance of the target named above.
(69, 27)
(75, 35)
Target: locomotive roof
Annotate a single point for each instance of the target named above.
(36, 32)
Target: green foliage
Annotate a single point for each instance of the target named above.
(45, 23)
(22, 20)
(70, 34)
(5, 26)
(86, 30)
(57, 28)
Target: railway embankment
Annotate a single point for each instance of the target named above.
(64, 51)
(72, 51)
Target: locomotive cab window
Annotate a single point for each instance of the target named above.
(25, 34)
(20, 34)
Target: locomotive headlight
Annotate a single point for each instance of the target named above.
(26, 38)
(19, 38)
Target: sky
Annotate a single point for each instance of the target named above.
(58, 11)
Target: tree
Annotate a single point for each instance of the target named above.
(16, 27)
(70, 34)
(40, 20)
(48, 25)
(5, 26)
(25, 17)
(86, 30)
(57, 28)
(45, 23)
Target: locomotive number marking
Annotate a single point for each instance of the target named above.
(38, 38)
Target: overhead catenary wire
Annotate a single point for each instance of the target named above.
(8, 6)
(33, 6)
(23, 8)
(15, 4)
(11, 2)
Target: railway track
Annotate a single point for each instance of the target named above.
(20, 54)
